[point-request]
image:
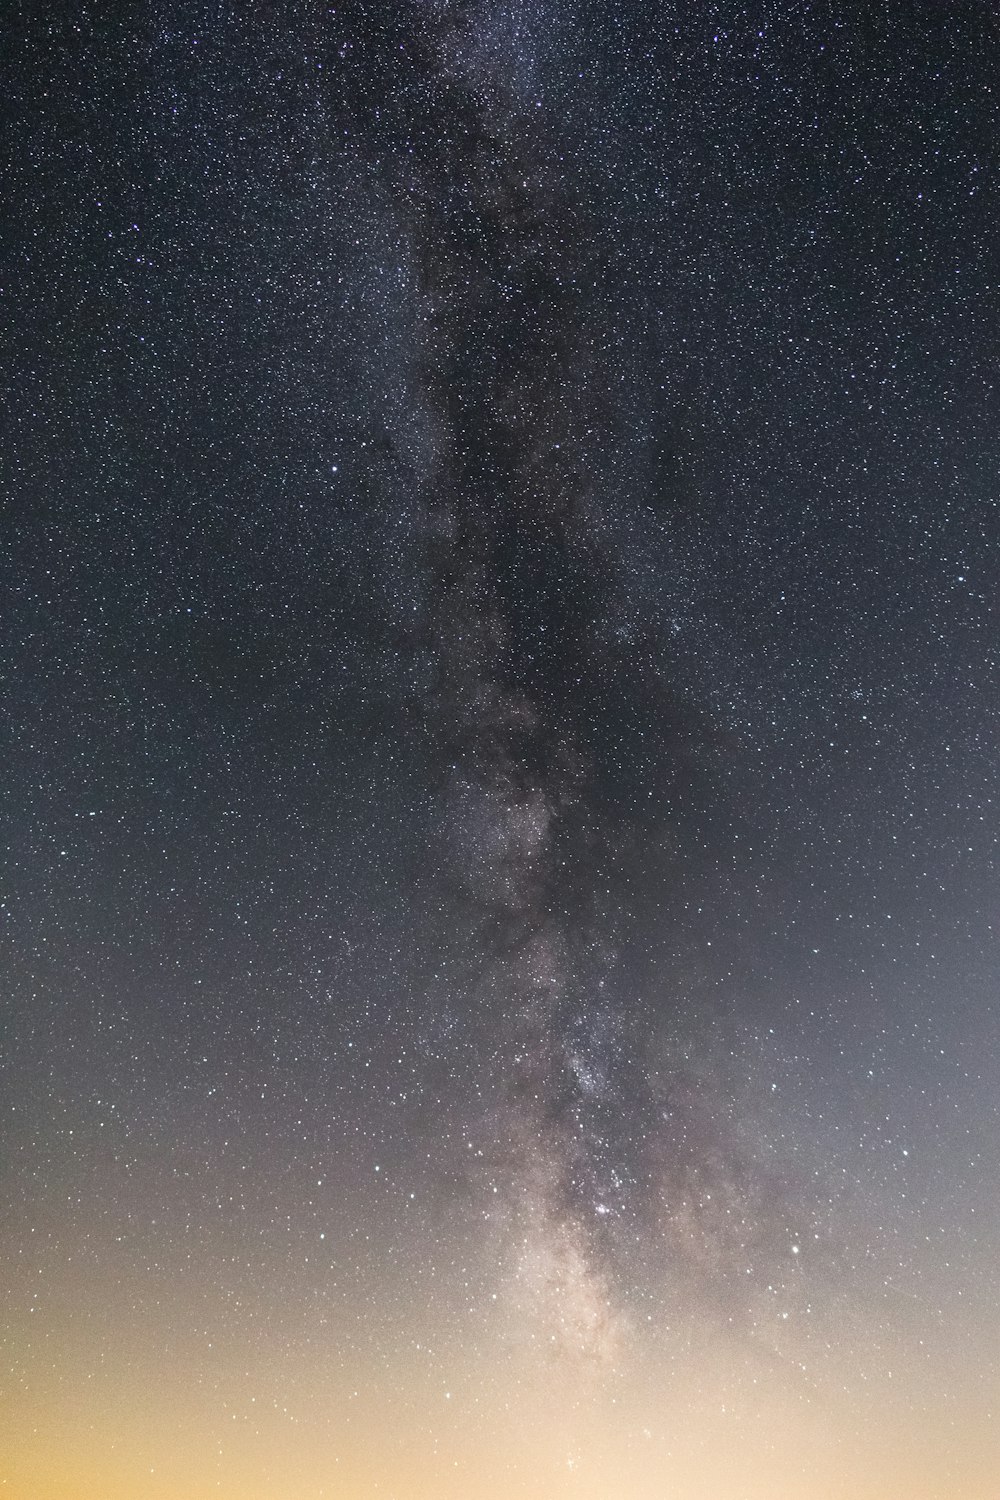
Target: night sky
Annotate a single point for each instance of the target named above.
(500, 773)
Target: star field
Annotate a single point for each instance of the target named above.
(499, 923)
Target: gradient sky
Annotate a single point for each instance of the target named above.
(500, 797)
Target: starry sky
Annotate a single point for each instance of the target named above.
(500, 799)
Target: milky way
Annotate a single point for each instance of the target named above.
(503, 270)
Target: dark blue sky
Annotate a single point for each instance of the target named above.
(500, 655)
